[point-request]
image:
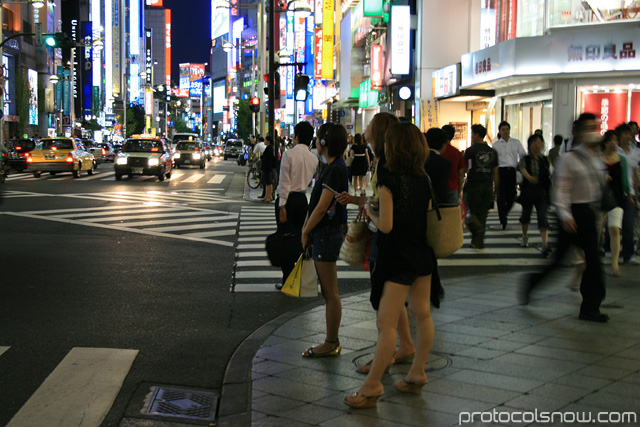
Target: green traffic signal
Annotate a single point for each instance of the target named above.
(58, 40)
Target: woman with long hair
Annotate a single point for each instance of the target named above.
(323, 231)
(404, 263)
(268, 162)
(360, 165)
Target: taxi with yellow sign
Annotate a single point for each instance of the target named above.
(144, 155)
(55, 155)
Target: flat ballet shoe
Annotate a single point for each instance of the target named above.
(404, 386)
(310, 352)
(360, 401)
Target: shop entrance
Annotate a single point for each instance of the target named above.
(526, 118)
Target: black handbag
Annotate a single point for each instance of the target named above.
(285, 245)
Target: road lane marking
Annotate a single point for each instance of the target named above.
(195, 227)
(172, 213)
(193, 178)
(80, 391)
(217, 179)
(3, 349)
(212, 234)
(252, 254)
(96, 175)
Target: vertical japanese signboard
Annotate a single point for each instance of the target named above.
(32, 76)
(327, 38)
(167, 47)
(117, 47)
(376, 67)
(400, 40)
(148, 56)
(86, 64)
(317, 74)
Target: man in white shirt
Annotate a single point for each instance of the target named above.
(578, 192)
(510, 151)
(297, 167)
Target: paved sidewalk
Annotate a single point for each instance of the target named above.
(489, 354)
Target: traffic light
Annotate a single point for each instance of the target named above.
(254, 104)
(58, 40)
(300, 87)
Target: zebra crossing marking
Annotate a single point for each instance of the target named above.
(217, 179)
(110, 176)
(186, 223)
(3, 349)
(194, 178)
(79, 391)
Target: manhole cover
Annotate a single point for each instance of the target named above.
(177, 403)
(435, 362)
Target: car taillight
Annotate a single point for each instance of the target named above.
(103, 152)
(69, 159)
(29, 159)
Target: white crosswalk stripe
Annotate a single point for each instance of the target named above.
(79, 391)
(254, 273)
(180, 222)
(106, 173)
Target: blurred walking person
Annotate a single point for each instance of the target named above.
(628, 149)
(482, 183)
(577, 196)
(458, 167)
(360, 165)
(534, 191)
(403, 265)
(510, 151)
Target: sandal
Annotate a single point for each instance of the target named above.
(310, 352)
(360, 401)
(404, 386)
(364, 369)
(404, 359)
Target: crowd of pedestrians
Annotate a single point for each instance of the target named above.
(399, 161)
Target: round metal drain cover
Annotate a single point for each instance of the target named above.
(435, 362)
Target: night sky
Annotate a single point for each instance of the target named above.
(191, 32)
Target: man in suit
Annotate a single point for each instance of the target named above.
(437, 167)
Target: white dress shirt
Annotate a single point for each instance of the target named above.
(578, 179)
(297, 167)
(258, 149)
(509, 152)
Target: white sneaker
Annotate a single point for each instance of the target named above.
(633, 261)
(524, 242)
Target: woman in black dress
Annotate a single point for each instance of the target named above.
(360, 165)
(268, 161)
(404, 263)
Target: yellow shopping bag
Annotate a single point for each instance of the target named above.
(292, 285)
(303, 279)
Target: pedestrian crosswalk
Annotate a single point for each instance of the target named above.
(79, 391)
(254, 273)
(178, 197)
(190, 177)
(152, 218)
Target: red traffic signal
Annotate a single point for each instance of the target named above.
(254, 104)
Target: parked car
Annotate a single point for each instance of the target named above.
(233, 148)
(19, 151)
(55, 155)
(190, 153)
(144, 155)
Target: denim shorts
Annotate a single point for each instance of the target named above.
(326, 243)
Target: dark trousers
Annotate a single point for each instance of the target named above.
(628, 220)
(479, 200)
(592, 286)
(297, 207)
(506, 192)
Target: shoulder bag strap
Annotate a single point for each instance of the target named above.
(436, 205)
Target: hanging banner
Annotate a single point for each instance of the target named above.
(400, 40)
(148, 56)
(66, 92)
(32, 77)
(327, 38)
(59, 85)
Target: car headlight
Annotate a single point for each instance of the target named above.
(154, 162)
(176, 155)
(196, 156)
(121, 161)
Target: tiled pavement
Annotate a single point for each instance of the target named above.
(489, 354)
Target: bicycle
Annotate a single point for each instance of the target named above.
(254, 176)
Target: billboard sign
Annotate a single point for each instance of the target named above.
(327, 38)
(196, 74)
(156, 3)
(86, 64)
(219, 20)
(32, 76)
(167, 47)
(400, 40)
(377, 66)
(148, 56)
(185, 80)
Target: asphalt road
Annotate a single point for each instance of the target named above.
(66, 285)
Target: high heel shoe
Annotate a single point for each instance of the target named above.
(364, 369)
(360, 401)
(404, 386)
(310, 352)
